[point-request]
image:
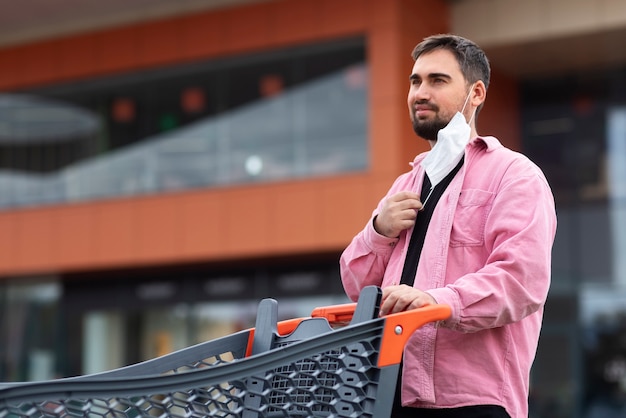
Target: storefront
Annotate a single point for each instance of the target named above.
(218, 158)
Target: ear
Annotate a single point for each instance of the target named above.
(479, 93)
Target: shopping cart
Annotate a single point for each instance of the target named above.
(343, 361)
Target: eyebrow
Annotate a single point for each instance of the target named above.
(431, 76)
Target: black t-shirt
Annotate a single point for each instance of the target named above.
(421, 224)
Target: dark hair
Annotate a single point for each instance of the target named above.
(472, 60)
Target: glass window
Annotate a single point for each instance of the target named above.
(53, 328)
(30, 331)
(574, 127)
(108, 344)
(298, 112)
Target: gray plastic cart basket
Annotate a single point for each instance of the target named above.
(320, 366)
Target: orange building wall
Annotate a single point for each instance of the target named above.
(292, 217)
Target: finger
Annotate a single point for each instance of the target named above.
(408, 209)
(408, 215)
(407, 200)
(403, 200)
(404, 195)
(412, 196)
(396, 299)
(404, 299)
(388, 300)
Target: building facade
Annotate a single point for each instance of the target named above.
(161, 174)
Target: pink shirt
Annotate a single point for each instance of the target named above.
(487, 255)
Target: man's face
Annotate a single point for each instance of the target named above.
(437, 91)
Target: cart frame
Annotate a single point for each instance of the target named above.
(321, 366)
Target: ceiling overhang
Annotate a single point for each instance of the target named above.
(25, 21)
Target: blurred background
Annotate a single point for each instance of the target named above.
(164, 165)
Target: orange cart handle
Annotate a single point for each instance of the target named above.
(400, 326)
(397, 329)
(335, 314)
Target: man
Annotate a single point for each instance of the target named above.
(471, 226)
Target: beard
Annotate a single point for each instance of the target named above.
(428, 129)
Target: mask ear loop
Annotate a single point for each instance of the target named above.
(426, 200)
(465, 104)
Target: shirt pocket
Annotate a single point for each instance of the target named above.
(468, 226)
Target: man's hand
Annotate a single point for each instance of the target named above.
(397, 214)
(403, 298)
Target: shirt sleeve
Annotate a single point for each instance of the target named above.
(364, 261)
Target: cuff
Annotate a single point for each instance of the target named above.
(378, 243)
(447, 296)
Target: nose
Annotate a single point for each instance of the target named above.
(419, 93)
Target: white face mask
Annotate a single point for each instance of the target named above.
(449, 148)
